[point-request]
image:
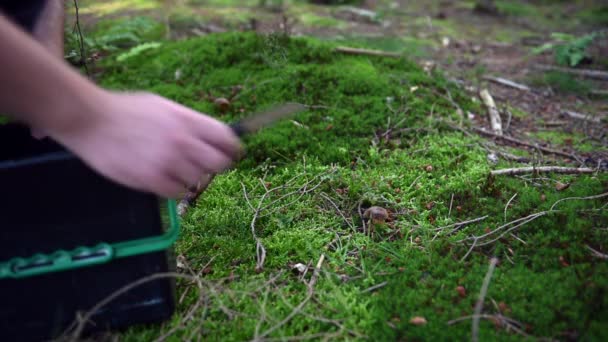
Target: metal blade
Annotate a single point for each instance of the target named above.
(257, 121)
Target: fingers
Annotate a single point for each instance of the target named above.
(209, 159)
(213, 132)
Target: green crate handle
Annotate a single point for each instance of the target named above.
(87, 256)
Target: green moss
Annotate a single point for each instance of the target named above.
(516, 8)
(310, 19)
(327, 159)
(113, 6)
(578, 141)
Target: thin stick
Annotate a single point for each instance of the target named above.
(507, 206)
(451, 202)
(596, 253)
(523, 143)
(508, 83)
(83, 58)
(299, 307)
(194, 193)
(597, 74)
(375, 287)
(542, 169)
(463, 223)
(495, 121)
(87, 316)
(366, 52)
(482, 296)
(581, 198)
(349, 223)
(580, 116)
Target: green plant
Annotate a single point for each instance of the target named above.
(569, 50)
(136, 50)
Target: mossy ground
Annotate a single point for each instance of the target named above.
(320, 168)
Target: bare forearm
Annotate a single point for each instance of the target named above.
(38, 88)
(49, 27)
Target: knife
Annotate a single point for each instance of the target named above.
(260, 120)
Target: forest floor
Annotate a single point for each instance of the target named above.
(283, 247)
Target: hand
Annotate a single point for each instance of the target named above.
(149, 143)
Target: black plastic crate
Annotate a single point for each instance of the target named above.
(69, 238)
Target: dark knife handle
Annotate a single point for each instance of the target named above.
(238, 129)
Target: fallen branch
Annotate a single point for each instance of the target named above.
(597, 74)
(580, 116)
(597, 254)
(495, 121)
(523, 143)
(482, 296)
(542, 169)
(366, 52)
(508, 83)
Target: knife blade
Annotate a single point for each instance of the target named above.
(260, 120)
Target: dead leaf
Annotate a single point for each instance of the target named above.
(559, 186)
(462, 292)
(430, 205)
(428, 168)
(418, 320)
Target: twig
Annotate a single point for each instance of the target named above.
(580, 116)
(349, 223)
(542, 169)
(605, 194)
(495, 121)
(597, 254)
(597, 74)
(451, 202)
(458, 225)
(83, 59)
(82, 321)
(366, 52)
(507, 206)
(482, 296)
(508, 83)
(194, 193)
(299, 307)
(523, 143)
(375, 287)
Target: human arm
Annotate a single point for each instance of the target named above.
(140, 140)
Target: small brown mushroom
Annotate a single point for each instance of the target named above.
(376, 214)
(222, 103)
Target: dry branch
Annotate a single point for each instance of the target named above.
(543, 169)
(597, 254)
(508, 83)
(597, 74)
(482, 296)
(366, 52)
(580, 116)
(495, 121)
(524, 143)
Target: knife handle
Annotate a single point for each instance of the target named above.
(238, 129)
